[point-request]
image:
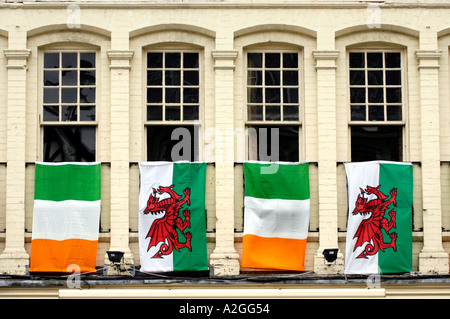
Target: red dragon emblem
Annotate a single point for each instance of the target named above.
(369, 229)
(164, 229)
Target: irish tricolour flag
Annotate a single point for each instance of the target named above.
(66, 217)
(276, 215)
(379, 231)
(172, 225)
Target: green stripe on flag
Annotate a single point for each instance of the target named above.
(61, 182)
(192, 175)
(399, 177)
(282, 181)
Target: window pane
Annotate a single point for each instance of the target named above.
(376, 143)
(272, 77)
(357, 95)
(375, 77)
(254, 60)
(154, 95)
(290, 95)
(69, 144)
(393, 78)
(357, 60)
(358, 112)
(393, 60)
(51, 78)
(69, 60)
(190, 60)
(376, 113)
(172, 95)
(394, 95)
(87, 113)
(190, 112)
(255, 113)
(376, 95)
(51, 95)
(273, 95)
(154, 60)
(69, 95)
(87, 77)
(375, 60)
(190, 78)
(87, 95)
(290, 113)
(69, 78)
(154, 77)
(357, 78)
(254, 95)
(173, 60)
(160, 145)
(394, 113)
(69, 113)
(290, 77)
(51, 113)
(154, 113)
(190, 95)
(87, 60)
(173, 77)
(284, 138)
(273, 113)
(290, 60)
(173, 113)
(272, 60)
(51, 60)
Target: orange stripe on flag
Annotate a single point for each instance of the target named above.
(273, 253)
(49, 255)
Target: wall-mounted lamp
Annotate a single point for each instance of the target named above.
(115, 256)
(330, 254)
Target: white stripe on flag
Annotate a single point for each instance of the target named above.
(279, 218)
(69, 219)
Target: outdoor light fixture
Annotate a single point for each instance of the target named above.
(115, 256)
(330, 254)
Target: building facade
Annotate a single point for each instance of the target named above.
(340, 81)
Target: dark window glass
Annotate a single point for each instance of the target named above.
(375, 77)
(154, 95)
(357, 95)
(376, 113)
(69, 144)
(190, 95)
(51, 95)
(51, 78)
(287, 142)
(290, 77)
(154, 113)
(87, 113)
(51, 113)
(272, 60)
(290, 95)
(87, 77)
(51, 60)
(357, 60)
(254, 60)
(69, 60)
(87, 95)
(273, 113)
(290, 60)
(358, 112)
(393, 78)
(69, 78)
(69, 95)
(87, 60)
(154, 78)
(370, 143)
(255, 112)
(254, 95)
(273, 95)
(392, 60)
(190, 60)
(357, 78)
(272, 77)
(190, 112)
(394, 113)
(69, 113)
(172, 95)
(290, 113)
(190, 78)
(173, 77)
(375, 60)
(173, 60)
(154, 60)
(173, 113)
(161, 146)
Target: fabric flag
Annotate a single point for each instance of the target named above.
(172, 222)
(276, 215)
(66, 217)
(379, 231)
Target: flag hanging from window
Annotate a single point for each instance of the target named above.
(276, 215)
(172, 222)
(66, 217)
(379, 231)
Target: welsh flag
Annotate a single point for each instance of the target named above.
(379, 231)
(66, 217)
(172, 222)
(276, 215)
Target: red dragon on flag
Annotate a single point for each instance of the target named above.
(164, 229)
(370, 229)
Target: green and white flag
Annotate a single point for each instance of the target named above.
(172, 222)
(379, 231)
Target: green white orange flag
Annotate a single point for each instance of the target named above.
(276, 215)
(66, 217)
(379, 231)
(172, 222)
